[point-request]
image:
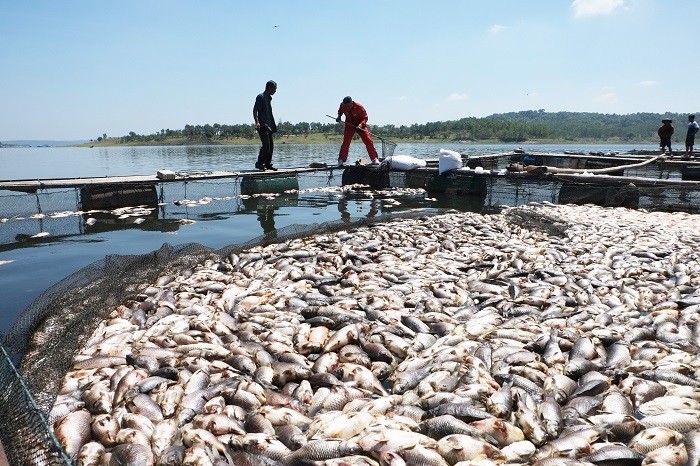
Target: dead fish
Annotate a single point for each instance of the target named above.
(441, 426)
(457, 447)
(131, 454)
(615, 454)
(90, 454)
(680, 421)
(73, 431)
(653, 438)
(319, 450)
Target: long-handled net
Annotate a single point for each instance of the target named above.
(387, 148)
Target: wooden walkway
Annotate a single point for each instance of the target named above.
(30, 186)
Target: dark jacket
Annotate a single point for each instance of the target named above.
(666, 131)
(263, 110)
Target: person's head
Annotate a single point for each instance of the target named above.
(666, 121)
(270, 87)
(691, 117)
(347, 101)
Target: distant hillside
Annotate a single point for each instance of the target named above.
(39, 143)
(530, 125)
(581, 125)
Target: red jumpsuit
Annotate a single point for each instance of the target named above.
(355, 116)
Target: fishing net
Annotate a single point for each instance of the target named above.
(387, 148)
(25, 434)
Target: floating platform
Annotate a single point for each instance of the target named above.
(30, 186)
(504, 179)
(111, 192)
(631, 180)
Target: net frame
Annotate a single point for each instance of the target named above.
(388, 148)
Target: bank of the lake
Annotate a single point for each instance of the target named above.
(318, 138)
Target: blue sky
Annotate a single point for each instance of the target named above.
(74, 69)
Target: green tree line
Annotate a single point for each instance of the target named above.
(506, 127)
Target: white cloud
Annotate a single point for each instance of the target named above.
(606, 98)
(457, 97)
(496, 28)
(587, 8)
(647, 83)
(403, 97)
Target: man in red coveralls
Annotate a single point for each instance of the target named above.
(355, 121)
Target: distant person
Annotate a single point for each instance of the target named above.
(265, 125)
(693, 128)
(665, 132)
(355, 122)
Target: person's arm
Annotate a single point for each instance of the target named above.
(363, 117)
(256, 111)
(340, 112)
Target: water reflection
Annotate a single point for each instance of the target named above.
(266, 217)
(345, 216)
(100, 222)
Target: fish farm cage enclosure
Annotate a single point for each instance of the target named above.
(68, 211)
(38, 349)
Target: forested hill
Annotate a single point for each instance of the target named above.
(579, 125)
(506, 127)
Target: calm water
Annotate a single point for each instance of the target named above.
(29, 266)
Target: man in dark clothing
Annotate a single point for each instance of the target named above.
(693, 128)
(665, 132)
(355, 122)
(265, 125)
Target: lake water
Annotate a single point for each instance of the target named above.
(28, 266)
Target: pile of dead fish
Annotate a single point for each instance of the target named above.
(457, 339)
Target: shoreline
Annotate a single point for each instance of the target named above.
(338, 139)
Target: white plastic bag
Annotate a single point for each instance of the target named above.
(403, 162)
(449, 160)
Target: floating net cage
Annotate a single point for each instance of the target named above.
(37, 351)
(24, 217)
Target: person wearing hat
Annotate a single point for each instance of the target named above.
(355, 122)
(693, 128)
(665, 132)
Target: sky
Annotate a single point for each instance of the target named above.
(78, 69)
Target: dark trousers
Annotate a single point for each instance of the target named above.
(268, 145)
(665, 142)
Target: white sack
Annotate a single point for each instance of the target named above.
(403, 162)
(449, 160)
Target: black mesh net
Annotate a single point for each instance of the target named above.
(388, 148)
(24, 432)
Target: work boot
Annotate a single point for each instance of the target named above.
(270, 167)
(259, 167)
